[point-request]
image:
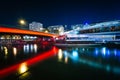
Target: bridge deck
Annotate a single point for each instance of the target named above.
(21, 31)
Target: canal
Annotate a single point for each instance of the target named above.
(37, 62)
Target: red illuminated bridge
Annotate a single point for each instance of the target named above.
(26, 32)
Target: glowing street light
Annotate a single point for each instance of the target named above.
(22, 22)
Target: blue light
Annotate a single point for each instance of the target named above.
(86, 23)
(94, 64)
(83, 49)
(75, 54)
(115, 52)
(26, 48)
(65, 53)
(118, 52)
(96, 51)
(75, 32)
(108, 52)
(31, 47)
(104, 50)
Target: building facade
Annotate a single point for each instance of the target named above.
(57, 29)
(36, 26)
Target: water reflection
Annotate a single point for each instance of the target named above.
(96, 57)
(22, 68)
(66, 56)
(35, 47)
(14, 51)
(75, 53)
(103, 50)
(106, 52)
(6, 52)
(25, 76)
(60, 55)
(23, 71)
(30, 48)
(10, 51)
(96, 51)
(26, 48)
(66, 59)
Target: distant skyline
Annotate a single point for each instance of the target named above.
(58, 12)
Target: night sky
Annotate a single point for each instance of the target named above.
(56, 12)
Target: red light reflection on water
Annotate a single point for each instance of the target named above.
(9, 70)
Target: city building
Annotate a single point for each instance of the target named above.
(36, 26)
(57, 29)
(77, 26)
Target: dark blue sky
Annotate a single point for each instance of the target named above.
(53, 12)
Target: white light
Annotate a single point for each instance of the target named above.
(35, 37)
(35, 48)
(14, 51)
(60, 55)
(56, 38)
(31, 37)
(104, 50)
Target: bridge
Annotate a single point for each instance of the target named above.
(26, 32)
(13, 35)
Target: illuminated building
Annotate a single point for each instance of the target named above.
(36, 26)
(58, 29)
(104, 32)
(77, 26)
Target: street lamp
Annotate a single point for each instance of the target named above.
(22, 22)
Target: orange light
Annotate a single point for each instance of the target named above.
(23, 68)
(21, 31)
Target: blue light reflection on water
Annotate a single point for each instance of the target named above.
(115, 52)
(103, 53)
(29, 48)
(75, 53)
(65, 53)
(26, 48)
(96, 51)
(106, 52)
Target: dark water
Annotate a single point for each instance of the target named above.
(37, 62)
